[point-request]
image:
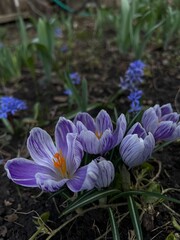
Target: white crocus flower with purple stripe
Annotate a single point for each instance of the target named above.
(53, 165)
(106, 172)
(97, 135)
(137, 146)
(162, 122)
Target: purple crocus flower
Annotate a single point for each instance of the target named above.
(53, 166)
(162, 122)
(137, 146)
(106, 172)
(97, 135)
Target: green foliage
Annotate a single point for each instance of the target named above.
(9, 65)
(171, 236)
(114, 226)
(139, 22)
(135, 217)
(44, 44)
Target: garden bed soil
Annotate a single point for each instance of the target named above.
(19, 206)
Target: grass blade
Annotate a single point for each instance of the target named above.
(153, 194)
(114, 226)
(135, 217)
(89, 199)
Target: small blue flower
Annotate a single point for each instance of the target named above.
(133, 76)
(58, 32)
(10, 105)
(134, 97)
(64, 48)
(68, 92)
(1, 45)
(75, 78)
(135, 106)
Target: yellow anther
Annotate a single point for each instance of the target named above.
(98, 135)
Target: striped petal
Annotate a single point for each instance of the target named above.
(89, 142)
(63, 127)
(165, 130)
(49, 183)
(41, 147)
(85, 178)
(87, 120)
(120, 130)
(106, 172)
(150, 120)
(75, 153)
(22, 171)
(131, 150)
(105, 142)
(103, 122)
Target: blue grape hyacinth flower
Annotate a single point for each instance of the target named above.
(10, 105)
(75, 78)
(133, 76)
(68, 92)
(135, 97)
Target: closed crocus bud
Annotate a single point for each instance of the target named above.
(106, 172)
(137, 146)
(162, 122)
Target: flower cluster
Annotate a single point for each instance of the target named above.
(55, 165)
(133, 78)
(10, 105)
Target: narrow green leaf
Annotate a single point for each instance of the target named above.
(135, 217)
(153, 194)
(114, 226)
(84, 100)
(175, 224)
(89, 199)
(8, 125)
(23, 32)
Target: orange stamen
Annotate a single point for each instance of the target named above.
(98, 135)
(60, 163)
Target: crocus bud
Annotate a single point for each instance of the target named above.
(137, 146)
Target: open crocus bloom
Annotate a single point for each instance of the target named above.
(162, 122)
(106, 172)
(53, 166)
(97, 135)
(137, 146)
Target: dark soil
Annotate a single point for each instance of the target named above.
(19, 205)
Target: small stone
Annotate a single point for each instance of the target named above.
(11, 218)
(165, 62)
(3, 231)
